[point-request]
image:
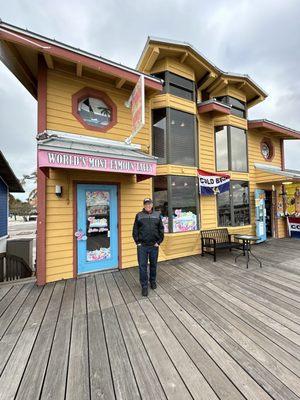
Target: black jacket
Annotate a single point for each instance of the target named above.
(148, 228)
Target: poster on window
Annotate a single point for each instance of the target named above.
(211, 183)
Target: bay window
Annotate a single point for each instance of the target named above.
(176, 197)
(174, 137)
(231, 149)
(233, 205)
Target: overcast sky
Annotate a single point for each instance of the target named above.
(257, 37)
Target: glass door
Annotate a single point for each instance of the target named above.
(97, 227)
(260, 214)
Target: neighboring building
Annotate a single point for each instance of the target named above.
(8, 184)
(91, 183)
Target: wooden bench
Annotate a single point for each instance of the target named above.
(214, 239)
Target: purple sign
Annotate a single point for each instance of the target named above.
(58, 159)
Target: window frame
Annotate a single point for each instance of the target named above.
(97, 94)
(168, 137)
(229, 150)
(232, 182)
(170, 203)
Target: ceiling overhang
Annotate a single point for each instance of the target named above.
(275, 129)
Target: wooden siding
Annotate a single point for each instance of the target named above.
(230, 90)
(60, 88)
(169, 100)
(173, 65)
(60, 232)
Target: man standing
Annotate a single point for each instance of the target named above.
(148, 233)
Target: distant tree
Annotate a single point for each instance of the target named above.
(18, 207)
(32, 197)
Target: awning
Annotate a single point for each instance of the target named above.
(71, 151)
(271, 174)
(8, 176)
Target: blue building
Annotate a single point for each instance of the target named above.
(8, 183)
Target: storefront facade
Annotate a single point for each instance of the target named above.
(91, 183)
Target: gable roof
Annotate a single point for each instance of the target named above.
(273, 127)
(8, 176)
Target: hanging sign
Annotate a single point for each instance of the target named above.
(211, 183)
(137, 104)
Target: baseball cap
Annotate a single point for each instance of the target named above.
(148, 200)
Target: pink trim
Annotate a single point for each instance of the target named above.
(205, 108)
(59, 159)
(272, 127)
(55, 50)
(41, 177)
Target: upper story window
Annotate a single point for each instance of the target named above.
(174, 137)
(177, 85)
(238, 107)
(231, 149)
(94, 112)
(94, 109)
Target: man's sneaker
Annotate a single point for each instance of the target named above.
(153, 285)
(145, 291)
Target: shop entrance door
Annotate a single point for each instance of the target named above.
(97, 227)
(260, 214)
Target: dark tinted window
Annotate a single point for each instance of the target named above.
(159, 134)
(177, 85)
(238, 107)
(182, 138)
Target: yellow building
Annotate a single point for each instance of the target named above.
(91, 182)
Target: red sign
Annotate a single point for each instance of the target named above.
(137, 105)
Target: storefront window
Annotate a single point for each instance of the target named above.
(233, 206)
(160, 199)
(174, 137)
(179, 204)
(231, 149)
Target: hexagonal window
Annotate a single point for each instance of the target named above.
(94, 112)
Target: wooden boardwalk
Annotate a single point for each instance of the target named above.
(209, 331)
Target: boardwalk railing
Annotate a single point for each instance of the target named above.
(13, 267)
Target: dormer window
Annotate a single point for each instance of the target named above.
(238, 107)
(177, 85)
(94, 109)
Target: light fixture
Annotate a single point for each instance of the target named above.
(287, 183)
(172, 122)
(182, 124)
(58, 190)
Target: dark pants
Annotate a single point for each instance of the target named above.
(145, 253)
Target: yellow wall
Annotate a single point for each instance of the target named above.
(60, 88)
(59, 226)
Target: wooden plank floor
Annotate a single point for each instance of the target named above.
(209, 331)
